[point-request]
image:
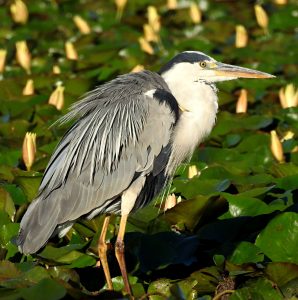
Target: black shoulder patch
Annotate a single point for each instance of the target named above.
(190, 57)
(165, 97)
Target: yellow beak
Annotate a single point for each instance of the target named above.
(239, 72)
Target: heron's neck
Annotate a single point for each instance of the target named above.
(198, 103)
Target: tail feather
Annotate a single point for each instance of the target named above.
(37, 225)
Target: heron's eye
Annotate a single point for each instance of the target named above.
(203, 64)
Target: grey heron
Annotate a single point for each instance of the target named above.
(128, 138)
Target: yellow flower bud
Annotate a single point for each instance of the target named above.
(170, 202)
(288, 135)
(23, 55)
(193, 171)
(281, 2)
(145, 46)
(153, 18)
(29, 149)
(261, 16)
(276, 147)
(3, 53)
(172, 4)
(57, 97)
(120, 4)
(288, 96)
(82, 25)
(195, 13)
(137, 68)
(241, 106)
(29, 88)
(71, 52)
(149, 34)
(56, 70)
(241, 37)
(19, 11)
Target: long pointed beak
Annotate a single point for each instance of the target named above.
(239, 72)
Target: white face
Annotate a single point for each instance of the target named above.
(194, 72)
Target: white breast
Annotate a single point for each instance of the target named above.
(199, 107)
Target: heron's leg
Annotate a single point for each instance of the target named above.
(102, 252)
(119, 250)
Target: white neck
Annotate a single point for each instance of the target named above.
(198, 103)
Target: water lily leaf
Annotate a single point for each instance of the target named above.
(279, 239)
(257, 289)
(81, 262)
(6, 203)
(8, 271)
(7, 232)
(282, 273)
(246, 252)
(29, 182)
(207, 279)
(197, 186)
(188, 212)
(65, 254)
(48, 288)
(16, 193)
(240, 205)
(288, 182)
(159, 289)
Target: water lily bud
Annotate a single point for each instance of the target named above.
(195, 13)
(261, 16)
(120, 4)
(149, 34)
(19, 11)
(71, 52)
(281, 2)
(3, 53)
(276, 146)
(288, 135)
(192, 171)
(29, 149)
(57, 97)
(56, 70)
(29, 88)
(241, 37)
(23, 55)
(241, 106)
(170, 202)
(172, 4)
(145, 46)
(82, 25)
(288, 96)
(137, 68)
(153, 18)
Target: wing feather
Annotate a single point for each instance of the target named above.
(120, 133)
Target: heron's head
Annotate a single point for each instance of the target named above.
(196, 66)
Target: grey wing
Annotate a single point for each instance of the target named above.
(98, 159)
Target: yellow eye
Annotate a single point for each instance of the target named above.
(203, 64)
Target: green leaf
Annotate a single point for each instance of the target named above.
(279, 239)
(48, 288)
(6, 203)
(245, 206)
(257, 289)
(246, 252)
(16, 193)
(197, 186)
(281, 273)
(7, 232)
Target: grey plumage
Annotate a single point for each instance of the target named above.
(102, 154)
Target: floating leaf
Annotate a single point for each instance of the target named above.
(279, 239)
